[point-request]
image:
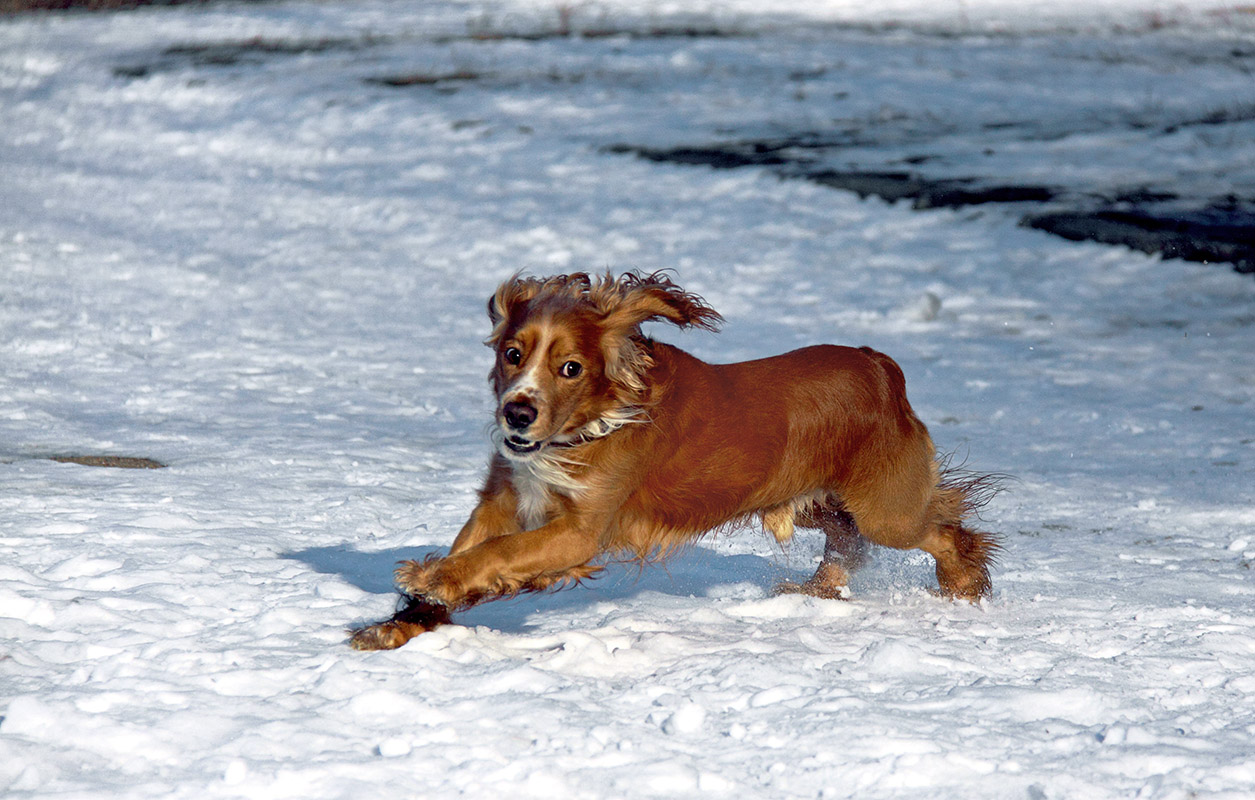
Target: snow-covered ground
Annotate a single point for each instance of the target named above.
(228, 245)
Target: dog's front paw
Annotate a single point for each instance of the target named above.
(429, 580)
(416, 617)
(414, 577)
(384, 636)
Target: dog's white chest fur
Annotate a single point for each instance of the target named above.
(535, 496)
(536, 481)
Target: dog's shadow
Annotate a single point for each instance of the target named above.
(697, 571)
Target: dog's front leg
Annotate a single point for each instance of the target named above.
(532, 560)
(495, 515)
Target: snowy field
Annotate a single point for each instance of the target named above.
(253, 243)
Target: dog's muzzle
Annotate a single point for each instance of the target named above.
(516, 417)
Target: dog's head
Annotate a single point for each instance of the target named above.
(571, 362)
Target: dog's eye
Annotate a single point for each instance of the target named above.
(512, 355)
(570, 369)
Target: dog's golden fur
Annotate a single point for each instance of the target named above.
(609, 442)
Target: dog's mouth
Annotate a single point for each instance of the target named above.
(515, 446)
(520, 445)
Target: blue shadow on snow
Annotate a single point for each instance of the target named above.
(691, 573)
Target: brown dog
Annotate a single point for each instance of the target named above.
(610, 442)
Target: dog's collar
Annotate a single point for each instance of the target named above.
(591, 431)
(601, 427)
(582, 437)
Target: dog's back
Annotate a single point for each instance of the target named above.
(824, 425)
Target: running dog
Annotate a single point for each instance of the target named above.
(611, 443)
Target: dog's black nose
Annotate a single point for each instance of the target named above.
(518, 415)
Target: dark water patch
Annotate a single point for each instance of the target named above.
(892, 186)
(1220, 116)
(928, 193)
(428, 78)
(571, 32)
(1141, 218)
(229, 53)
(1140, 196)
(716, 156)
(1206, 236)
(796, 150)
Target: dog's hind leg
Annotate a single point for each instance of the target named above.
(845, 550)
(963, 555)
(940, 529)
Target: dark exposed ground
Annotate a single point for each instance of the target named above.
(113, 462)
(116, 462)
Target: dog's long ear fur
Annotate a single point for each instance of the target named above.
(628, 302)
(634, 299)
(509, 296)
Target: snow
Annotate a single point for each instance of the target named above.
(270, 275)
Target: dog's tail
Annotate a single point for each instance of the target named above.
(956, 503)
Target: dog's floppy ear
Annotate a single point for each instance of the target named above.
(635, 299)
(509, 296)
(625, 304)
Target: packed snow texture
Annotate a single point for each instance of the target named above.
(269, 273)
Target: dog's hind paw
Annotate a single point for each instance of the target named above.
(830, 582)
(812, 588)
